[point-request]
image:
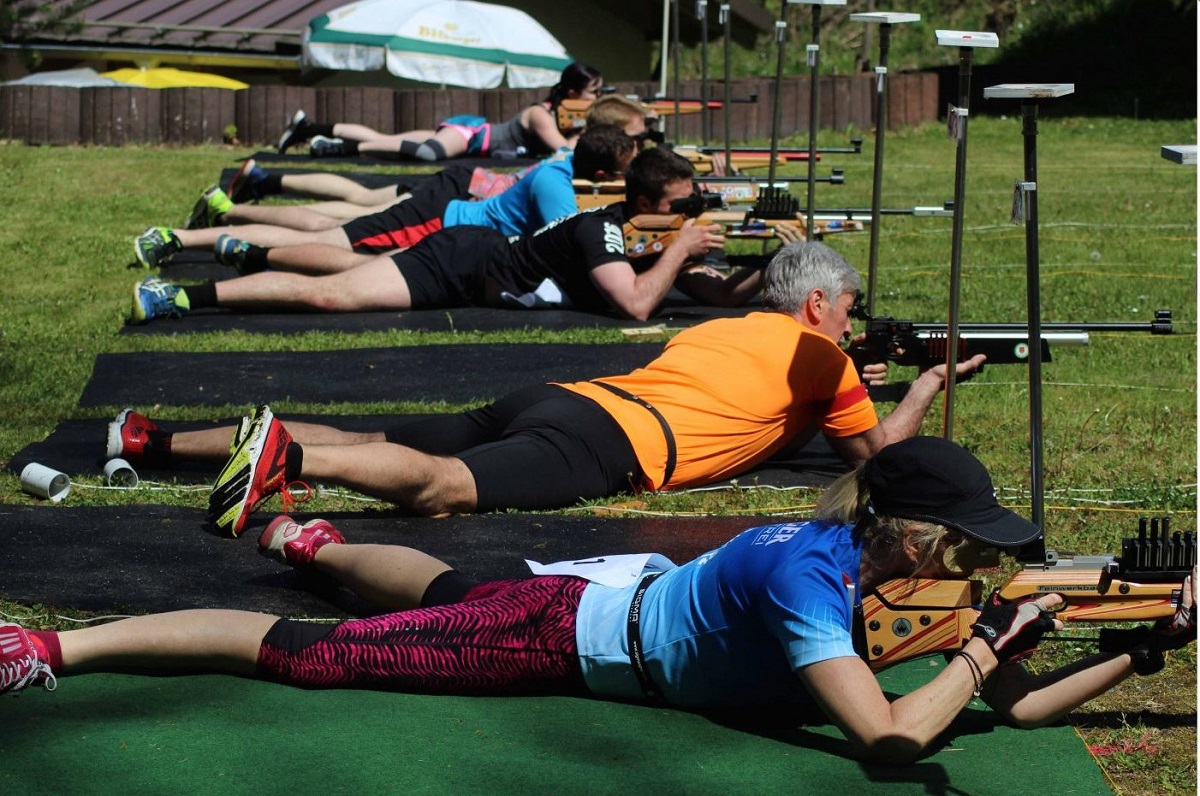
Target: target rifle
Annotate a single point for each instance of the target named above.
(906, 618)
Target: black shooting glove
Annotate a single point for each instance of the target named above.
(1176, 632)
(1012, 630)
(1146, 644)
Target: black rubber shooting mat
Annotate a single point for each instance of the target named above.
(146, 558)
(77, 448)
(193, 266)
(305, 161)
(676, 312)
(457, 373)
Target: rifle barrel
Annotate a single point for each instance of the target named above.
(854, 149)
(1065, 338)
(1162, 326)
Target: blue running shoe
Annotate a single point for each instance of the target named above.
(247, 184)
(154, 298)
(232, 252)
(156, 246)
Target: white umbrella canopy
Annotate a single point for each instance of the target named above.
(451, 42)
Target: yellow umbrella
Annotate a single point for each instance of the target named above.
(169, 77)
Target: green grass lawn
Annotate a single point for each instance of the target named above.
(1118, 240)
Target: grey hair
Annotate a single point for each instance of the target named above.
(798, 269)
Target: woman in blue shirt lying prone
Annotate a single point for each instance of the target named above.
(766, 619)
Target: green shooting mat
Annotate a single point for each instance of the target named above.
(217, 734)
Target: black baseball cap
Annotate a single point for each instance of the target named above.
(934, 480)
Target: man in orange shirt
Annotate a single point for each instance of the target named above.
(721, 398)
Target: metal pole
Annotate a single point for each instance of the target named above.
(702, 16)
(881, 71)
(780, 43)
(726, 22)
(960, 186)
(666, 48)
(885, 19)
(675, 63)
(1029, 113)
(1026, 204)
(814, 62)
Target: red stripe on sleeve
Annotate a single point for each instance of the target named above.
(845, 400)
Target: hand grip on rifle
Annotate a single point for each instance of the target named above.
(891, 340)
(1146, 644)
(1013, 630)
(698, 239)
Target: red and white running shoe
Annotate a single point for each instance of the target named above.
(138, 440)
(292, 543)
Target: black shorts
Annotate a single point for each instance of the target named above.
(449, 269)
(406, 223)
(541, 447)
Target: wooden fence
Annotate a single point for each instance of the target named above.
(181, 116)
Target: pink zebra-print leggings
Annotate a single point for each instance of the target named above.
(505, 636)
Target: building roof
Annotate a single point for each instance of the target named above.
(268, 32)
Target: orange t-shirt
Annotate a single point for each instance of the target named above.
(734, 391)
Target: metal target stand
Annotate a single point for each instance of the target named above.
(702, 18)
(885, 20)
(966, 42)
(814, 62)
(724, 17)
(1025, 207)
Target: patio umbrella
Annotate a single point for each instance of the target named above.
(170, 77)
(451, 42)
(70, 78)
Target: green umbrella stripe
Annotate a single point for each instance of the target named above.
(322, 34)
(491, 55)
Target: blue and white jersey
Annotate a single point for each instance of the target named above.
(541, 196)
(732, 626)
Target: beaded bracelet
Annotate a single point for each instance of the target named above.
(976, 671)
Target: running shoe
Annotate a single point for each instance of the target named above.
(254, 472)
(247, 184)
(209, 208)
(156, 246)
(323, 147)
(155, 298)
(290, 542)
(232, 252)
(136, 439)
(20, 666)
(240, 433)
(293, 132)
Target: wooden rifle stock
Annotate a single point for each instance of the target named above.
(907, 618)
(651, 234)
(571, 114)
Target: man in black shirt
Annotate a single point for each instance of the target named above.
(578, 261)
